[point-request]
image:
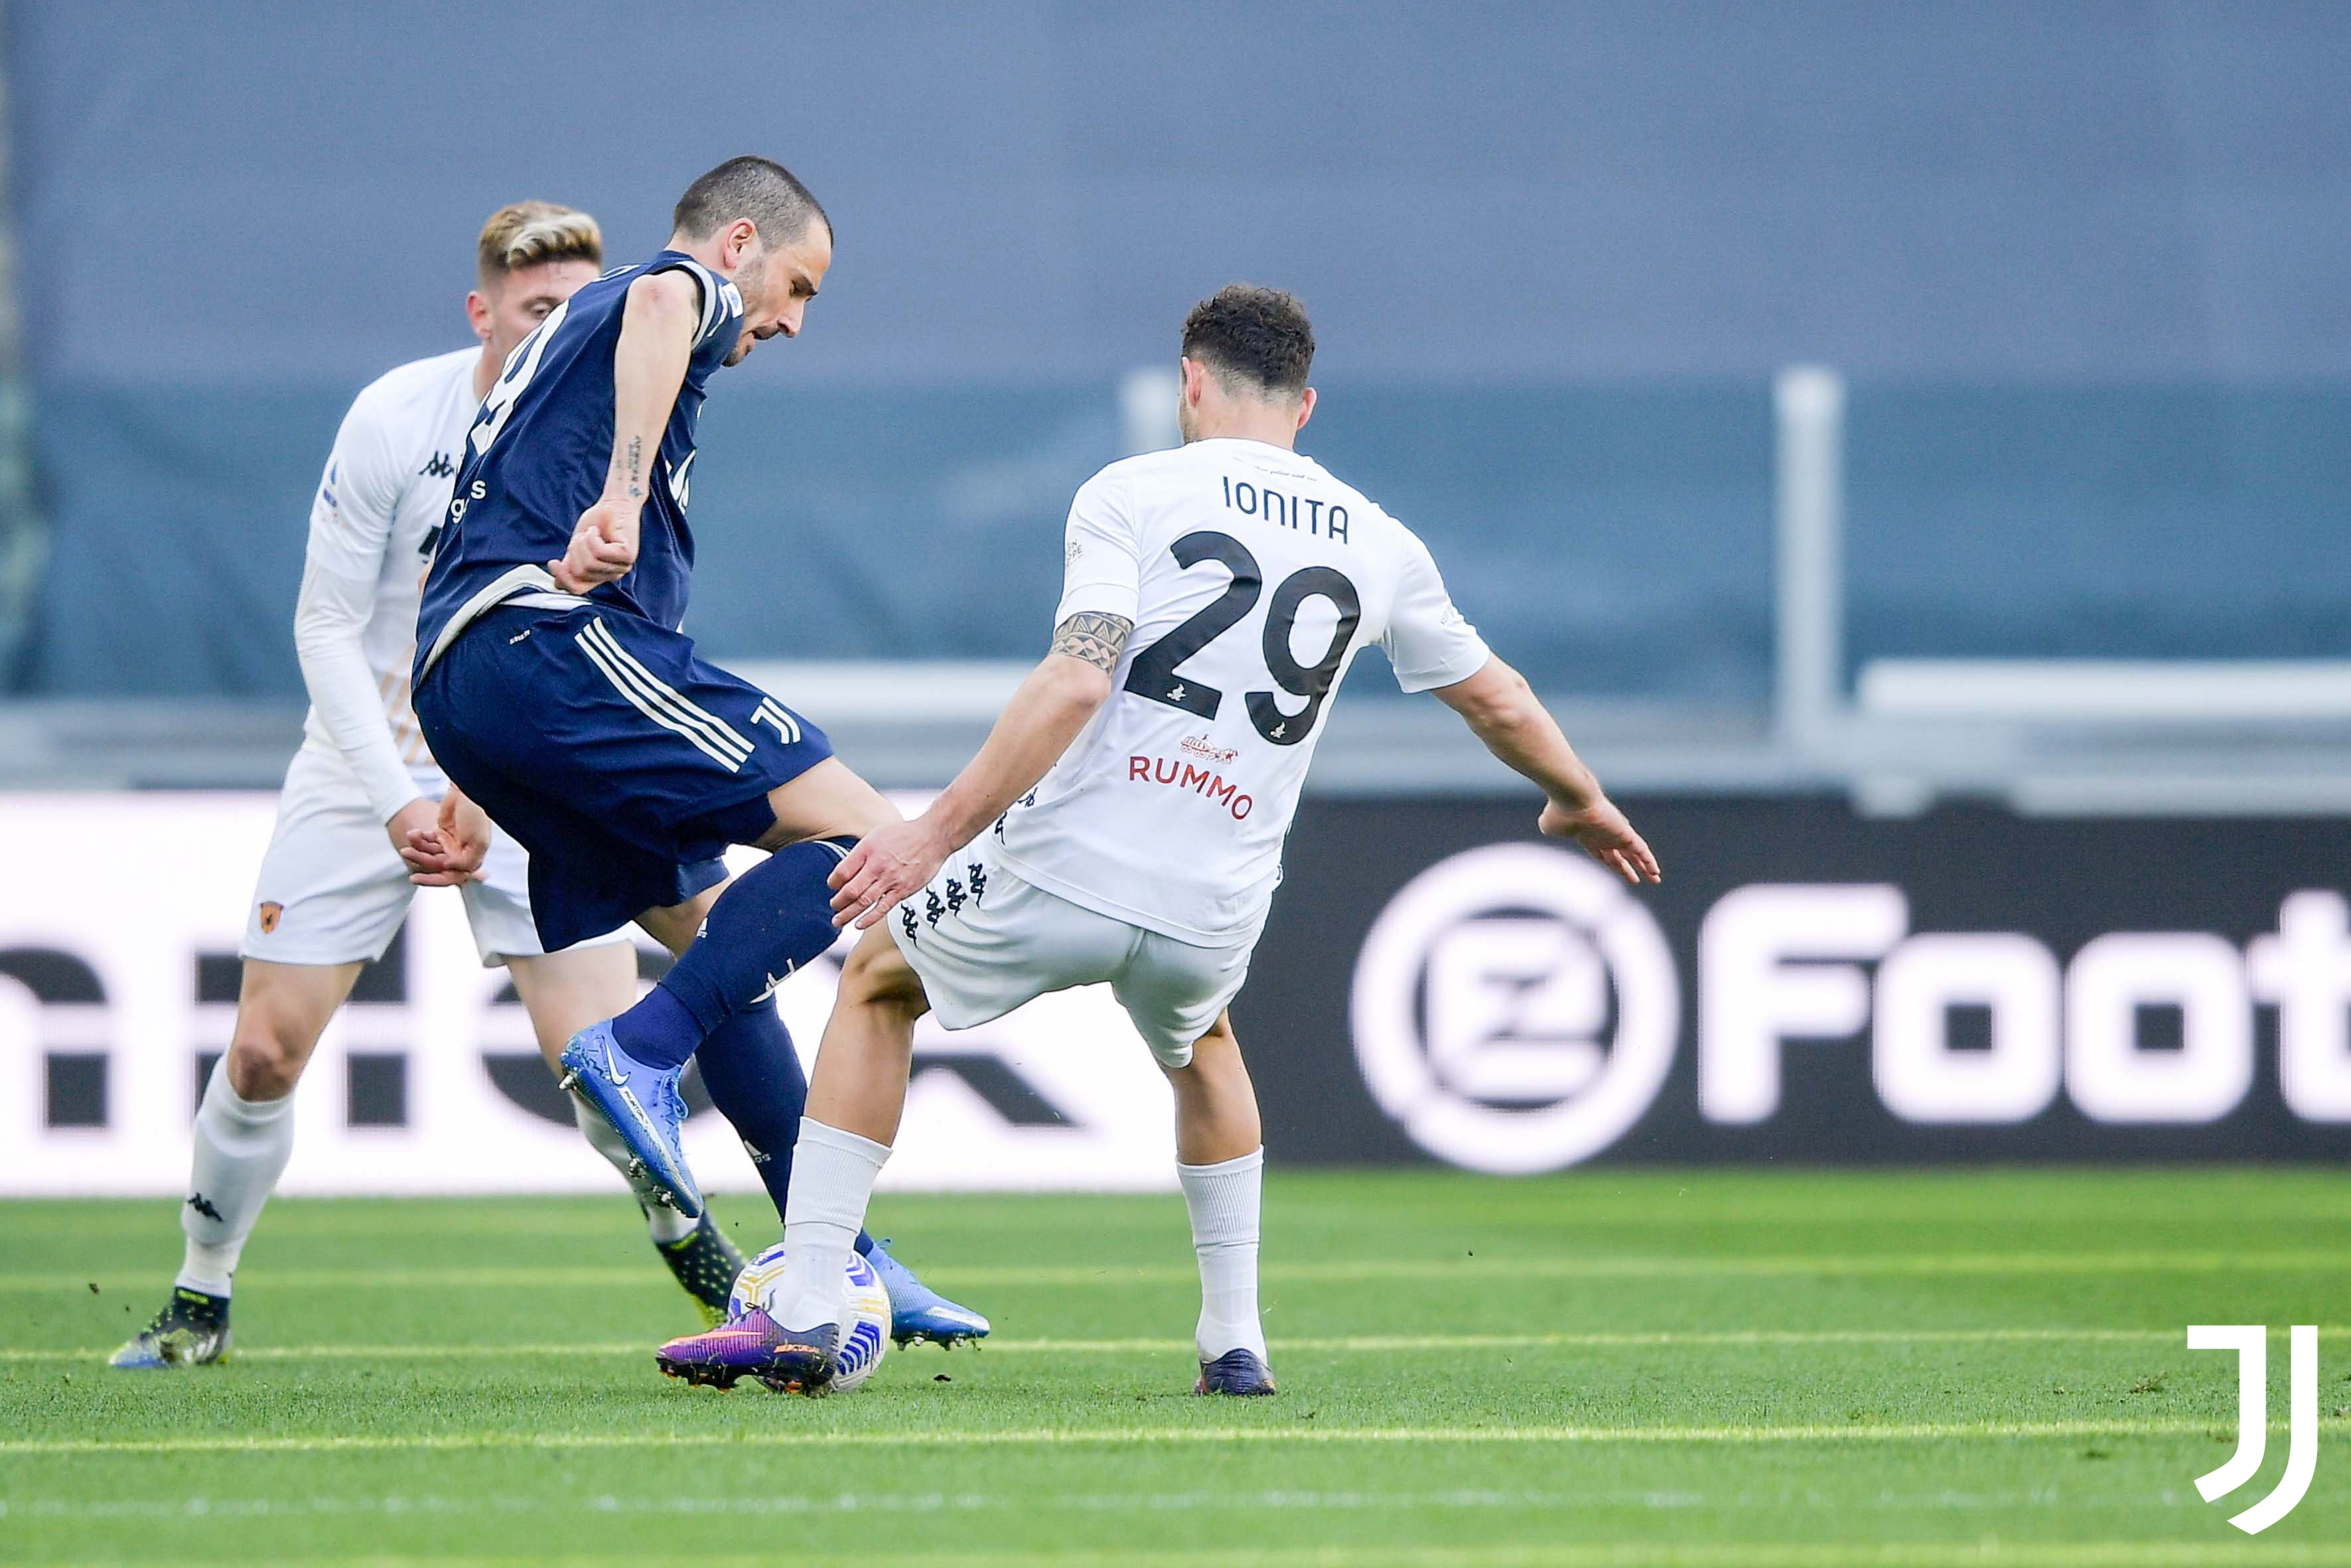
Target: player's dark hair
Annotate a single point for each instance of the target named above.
(760, 189)
(1253, 337)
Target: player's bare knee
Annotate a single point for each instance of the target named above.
(878, 975)
(265, 1056)
(1217, 1055)
(1219, 1038)
(674, 926)
(828, 801)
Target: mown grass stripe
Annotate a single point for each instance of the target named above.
(200, 1509)
(1560, 1554)
(823, 1501)
(1863, 1432)
(1063, 1277)
(1346, 1344)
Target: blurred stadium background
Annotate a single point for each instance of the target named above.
(1910, 445)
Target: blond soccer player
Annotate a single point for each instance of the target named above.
(333, 890)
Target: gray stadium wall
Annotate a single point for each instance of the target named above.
(2084, 263)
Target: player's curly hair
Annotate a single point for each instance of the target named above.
(530, 233)
(1253, 337)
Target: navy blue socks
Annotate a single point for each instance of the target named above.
(755, 1078)
(776, 918)
(717, 1004)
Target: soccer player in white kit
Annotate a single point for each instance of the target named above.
(333, 889)
(1123, 823)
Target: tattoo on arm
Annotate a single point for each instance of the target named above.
(1097, 639)
(636, 466)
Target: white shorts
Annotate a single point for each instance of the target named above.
(333, 890)
(985, 942)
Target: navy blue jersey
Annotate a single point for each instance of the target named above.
(538, 452)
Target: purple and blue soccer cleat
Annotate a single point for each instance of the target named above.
(791, 1361)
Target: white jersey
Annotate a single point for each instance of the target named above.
(1253, 578)
(385, 489)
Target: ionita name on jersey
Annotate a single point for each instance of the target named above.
(1302, 512)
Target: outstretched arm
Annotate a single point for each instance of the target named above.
(1501, 710)
(657, 328)
(1036, 726)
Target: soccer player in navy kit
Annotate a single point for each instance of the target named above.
(556, 689)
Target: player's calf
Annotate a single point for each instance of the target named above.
(770, 921)
(1222, 1169)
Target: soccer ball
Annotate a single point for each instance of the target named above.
(864, 1319)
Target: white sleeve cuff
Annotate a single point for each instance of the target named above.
(1465, 663)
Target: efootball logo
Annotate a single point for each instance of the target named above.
(1515, 1008)
(2251, 1342)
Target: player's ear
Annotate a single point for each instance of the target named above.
(1305, 407)
(478, 314)
(742, 235)
(1195, 376)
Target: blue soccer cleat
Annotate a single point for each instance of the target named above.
(1237, 1371)
(919, 1313)
(644, 1106)
(190, 1330)
(791, 1361)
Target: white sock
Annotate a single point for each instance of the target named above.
(832, 1180)
(242, 1147)
(662, 1223)
(1223, 1200)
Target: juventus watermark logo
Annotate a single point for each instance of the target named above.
(2251, 1342)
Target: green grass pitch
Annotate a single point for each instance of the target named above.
(1604, 1368)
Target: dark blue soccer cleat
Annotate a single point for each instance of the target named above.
(190, 1330)
(919, 1313)
(1237, 1371)
(791, 1361)
(644, 1106)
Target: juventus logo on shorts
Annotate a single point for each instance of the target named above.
(665, 704)
(771, 712)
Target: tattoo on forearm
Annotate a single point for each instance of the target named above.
(636, 467)
(1096, 639)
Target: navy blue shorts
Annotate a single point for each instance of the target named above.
(622, 763)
